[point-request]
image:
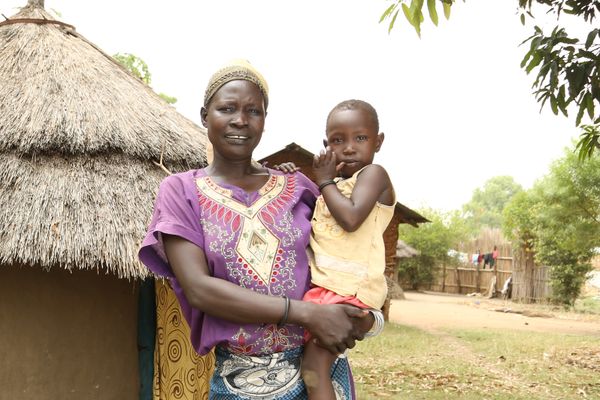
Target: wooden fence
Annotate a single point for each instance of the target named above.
(471, 279)
(530, 282)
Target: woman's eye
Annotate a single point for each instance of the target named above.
(255, 111)
(225, 109)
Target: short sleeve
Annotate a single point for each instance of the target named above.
(175, 213)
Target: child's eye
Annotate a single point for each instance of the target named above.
(362, 138)
(335, 141)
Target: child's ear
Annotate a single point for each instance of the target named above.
(380, 138)
(203, 116)
(324, 142)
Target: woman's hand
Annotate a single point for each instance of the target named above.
(335, 327)
(287, 167)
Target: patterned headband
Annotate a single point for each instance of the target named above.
(236, 70)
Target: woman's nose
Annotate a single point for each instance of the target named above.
(239, 119)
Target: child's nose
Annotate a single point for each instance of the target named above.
(348, 149)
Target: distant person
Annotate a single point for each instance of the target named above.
(355, 207)
(495, 256)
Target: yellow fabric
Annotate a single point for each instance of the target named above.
(350, 263)
(179, 372)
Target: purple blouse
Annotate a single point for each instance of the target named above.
(256, 240)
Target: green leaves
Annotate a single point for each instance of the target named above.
(413, 12)
(135, 65)
(432, 11)
(589, 141)
(138, 68)
(560, 219)
(568, 73)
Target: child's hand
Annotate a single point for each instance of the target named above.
(324, 165)
(287, 167)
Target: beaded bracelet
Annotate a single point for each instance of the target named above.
(326, 183)
(283, 319)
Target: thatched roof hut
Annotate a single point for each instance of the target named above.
(80, 140)
(78, 137)
(403, 250)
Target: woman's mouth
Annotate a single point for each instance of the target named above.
(236, 138)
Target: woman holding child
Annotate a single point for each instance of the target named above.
(232, 239)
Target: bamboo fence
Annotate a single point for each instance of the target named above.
(530, 282)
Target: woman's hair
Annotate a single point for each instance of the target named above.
(233, 71)
(354, 104)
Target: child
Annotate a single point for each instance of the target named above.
(348, 223)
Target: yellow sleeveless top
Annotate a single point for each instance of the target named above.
(350, 263)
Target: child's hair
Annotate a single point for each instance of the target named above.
(354, 104)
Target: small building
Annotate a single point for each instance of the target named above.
(402, 214)
(81, 141)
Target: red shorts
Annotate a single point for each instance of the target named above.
(321, 295)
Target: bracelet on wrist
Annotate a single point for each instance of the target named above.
(286, 312)
(326, 183)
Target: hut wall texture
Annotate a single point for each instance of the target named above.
(67, 335)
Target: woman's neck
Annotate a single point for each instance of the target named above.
(246, 174)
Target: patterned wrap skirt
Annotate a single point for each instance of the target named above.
(271, 377)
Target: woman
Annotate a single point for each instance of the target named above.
(232, 239)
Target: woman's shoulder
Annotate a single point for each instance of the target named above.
(182, 180)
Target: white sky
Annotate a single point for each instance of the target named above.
(455, 106)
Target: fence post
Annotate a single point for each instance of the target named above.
(496, 276)
(477, 279)
(458, 280)
(444, 278)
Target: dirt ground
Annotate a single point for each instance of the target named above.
(434, 311)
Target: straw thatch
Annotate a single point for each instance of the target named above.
(79, 141)
(405, 251)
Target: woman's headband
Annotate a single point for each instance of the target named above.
(236, 70)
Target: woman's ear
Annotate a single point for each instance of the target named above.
(203, 113)
(380, 138)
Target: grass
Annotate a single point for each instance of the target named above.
(588, 305)
(408, 363)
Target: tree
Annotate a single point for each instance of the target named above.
(487, 203)
(559, 218)
(568, 69)
(433, 240)
(139, 69)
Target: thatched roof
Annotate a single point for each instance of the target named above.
(405, 251)
(79, 138)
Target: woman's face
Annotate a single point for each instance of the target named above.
(235, 119)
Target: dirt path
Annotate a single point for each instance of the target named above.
(433, 311)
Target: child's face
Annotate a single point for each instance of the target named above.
(353, 137)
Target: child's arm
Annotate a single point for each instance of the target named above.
(372, 185)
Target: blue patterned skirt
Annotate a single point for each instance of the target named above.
(271, 377)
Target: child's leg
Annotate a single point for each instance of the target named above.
(316, 371)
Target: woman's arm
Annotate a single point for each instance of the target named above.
(336, 327)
